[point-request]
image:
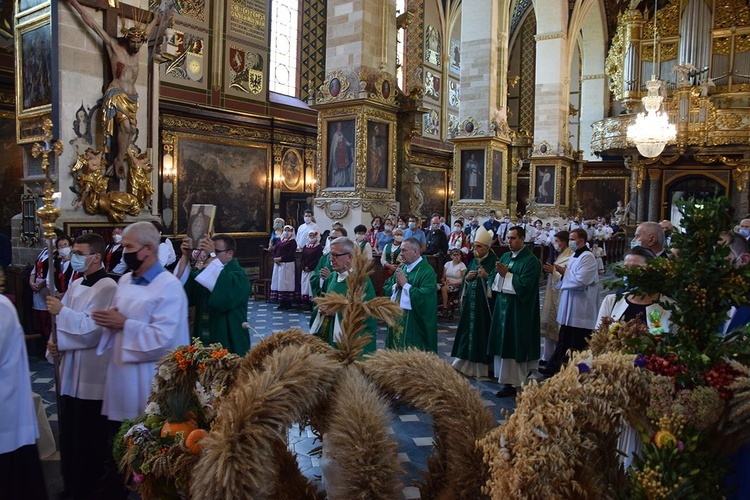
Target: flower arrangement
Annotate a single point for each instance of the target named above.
(160, 447)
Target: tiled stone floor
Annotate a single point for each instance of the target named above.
(412, 428)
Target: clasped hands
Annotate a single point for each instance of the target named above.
(109, 318)
(401, 278)
(502, 269)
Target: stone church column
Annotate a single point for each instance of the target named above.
(481, 172)
(357, 107)
(654, 194)
(552, 151)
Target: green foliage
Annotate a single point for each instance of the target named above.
(700, 282)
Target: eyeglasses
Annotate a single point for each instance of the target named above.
(337, 255)
(217, 252)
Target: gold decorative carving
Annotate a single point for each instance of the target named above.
(722, 46)
(193, 124)
(385, 88)
(471, 128)
(337, 82)
(741, 44)
(730, 13)
(654, 174)
(337, 209)
(381, 208)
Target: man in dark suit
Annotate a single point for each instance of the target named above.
(437, 242)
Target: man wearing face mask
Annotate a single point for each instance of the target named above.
(502, 230)
(359, 234)
(146, 320)
(578, 301)
(219, 292)
(492, 224)
(650, 235)
(744, 229)
(83, 436)
(113, 262)
(471, 229)
(62, 267)
(436, 241)
(470, 345)
(304, 230)
(414, 231)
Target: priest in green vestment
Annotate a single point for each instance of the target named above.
(219, 292)
(470, 346)
(327, 326)
(414, 287)
(514, 333)
(324, 268)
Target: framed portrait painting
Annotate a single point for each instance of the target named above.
(472, 174)
(544, 184)
(34, 77)
(340, 154)
(229, 173)
(377, 155)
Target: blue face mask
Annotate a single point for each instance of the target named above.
(744, 232)
(78, 263)
(635, 243)
(573, 245)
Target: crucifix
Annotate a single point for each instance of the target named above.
(120, 101)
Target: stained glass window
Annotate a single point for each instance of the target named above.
(284, 42)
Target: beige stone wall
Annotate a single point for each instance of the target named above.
(361, 33)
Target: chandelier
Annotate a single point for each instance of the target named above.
(652, 131)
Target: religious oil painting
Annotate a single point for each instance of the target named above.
(599, 196)
(340, 156)
(455, 56)
(377, 155)
(293, 169)
(231, 174)
(432, 46)
(544, 185)
(497, 175)
(201, 222)
(434, 185)
(472, 174)
(563, 186)
(35, 78)
(86, 125)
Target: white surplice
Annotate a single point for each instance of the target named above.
(18, 422)
(157, 323)
(81, 369)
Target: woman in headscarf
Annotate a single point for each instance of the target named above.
(278, 228)
(282, 279)
(311, 254)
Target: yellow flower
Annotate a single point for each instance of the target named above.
(663, 438)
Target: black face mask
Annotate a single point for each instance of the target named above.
(132, 261)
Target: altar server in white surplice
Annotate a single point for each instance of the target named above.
(20, 469)
(83, 435)
(147, 319)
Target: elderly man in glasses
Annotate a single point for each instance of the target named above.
(326, 325)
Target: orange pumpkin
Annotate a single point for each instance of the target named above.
(193, 441)
(172, 428)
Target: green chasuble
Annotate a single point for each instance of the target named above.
(325, 261)
(514, 333)
(418, 326)
(476, 314)
(332, 285)
(219, 314)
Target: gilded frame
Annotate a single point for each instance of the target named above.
(288, 159)
(544, 177)
(361, 116)
(607, 191)
(29, 119)
(497, 185)
(226, 172)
